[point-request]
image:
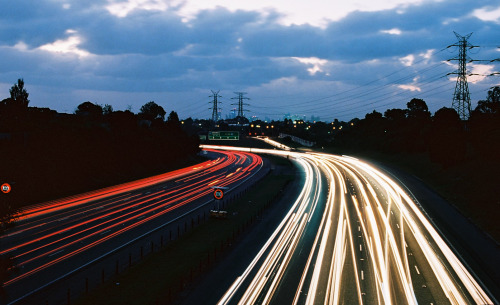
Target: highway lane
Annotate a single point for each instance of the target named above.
(55, 238)
(371, 244)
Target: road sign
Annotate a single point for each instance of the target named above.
(218, 194)
(6, 188)
(223, 135)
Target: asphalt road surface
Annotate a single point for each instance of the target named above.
(55, 239)
(362, 241)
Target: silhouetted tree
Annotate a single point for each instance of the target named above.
(484, 125)
(395, 115)
(14, 110)
(417, 108)
(372, 130)
(122, 122)
(374, 116)
(173, 117)
(152, 111)
(446, 118)
(107, 109)
(19, 95)
(89, 109)
(492, 103)
(418, 125)
(447, 139)
(396, 129)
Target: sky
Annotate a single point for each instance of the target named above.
(321, 59)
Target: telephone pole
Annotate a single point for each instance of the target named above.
(461, 97)
(240, 102)
(215, 108)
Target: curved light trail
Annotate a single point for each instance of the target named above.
(52, 236)
(372, 245)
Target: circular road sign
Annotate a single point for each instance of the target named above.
(218, 194)
(6, 188)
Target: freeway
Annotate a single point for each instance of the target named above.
(366, 241)
(56, 239)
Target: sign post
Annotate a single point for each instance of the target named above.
(6, 188)
(218, 195)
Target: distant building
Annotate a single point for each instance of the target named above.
(315, 118)
(232, 114)
(295, 117)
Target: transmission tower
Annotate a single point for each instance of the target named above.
(215, 108)
(240, 102)
(461, 97)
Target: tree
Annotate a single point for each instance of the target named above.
(372, 129)
(14, 110)
(417, 108)
(152, 111)
(122, 121)
(173, 122)
(492, 103)
(173, 118)
(494, 95)
(373, 116)
(395, 115)
(418, 125)
(396, 129)
(107, 109)
(89, 109)
(19, 95)
(484, 125)
(447, 139)
(446, 118)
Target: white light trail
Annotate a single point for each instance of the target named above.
(387, 221)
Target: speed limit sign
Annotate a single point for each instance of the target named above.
(6, 188)
(218, 194)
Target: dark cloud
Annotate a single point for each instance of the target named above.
(158, 51)
(141, 32)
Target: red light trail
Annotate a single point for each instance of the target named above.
(55, 231)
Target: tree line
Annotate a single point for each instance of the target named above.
(442, 136)
(47, 154)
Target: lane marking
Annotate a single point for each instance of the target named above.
(105, 232)
(416, 268)
(55, 253)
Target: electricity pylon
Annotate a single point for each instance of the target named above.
(215, 107)
(240, 102)
(461, 97)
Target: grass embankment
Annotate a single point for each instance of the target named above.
(160, 276)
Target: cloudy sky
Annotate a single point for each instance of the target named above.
(327, 58)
